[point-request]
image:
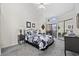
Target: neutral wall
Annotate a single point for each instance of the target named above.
(71, 14)
(0, 29)
(77, 11)
(55, 10)
(13, 18)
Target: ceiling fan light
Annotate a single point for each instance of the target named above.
(41, 6)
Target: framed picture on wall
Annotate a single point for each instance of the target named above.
(69, 26)
(28, 24)
(77, 20)
(33, 25)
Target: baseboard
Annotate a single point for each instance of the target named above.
(2, 49)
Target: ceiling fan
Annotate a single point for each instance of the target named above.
(43, 5)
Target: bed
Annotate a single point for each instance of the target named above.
(40, 41)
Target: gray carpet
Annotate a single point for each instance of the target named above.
(57, 49)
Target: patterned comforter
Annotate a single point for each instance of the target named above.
(42, 40)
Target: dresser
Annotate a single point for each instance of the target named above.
(71, 44)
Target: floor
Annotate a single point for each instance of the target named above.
(57, 49)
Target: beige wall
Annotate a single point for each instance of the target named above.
(71, 14)
(0, 29)
(13, 18)
(77, 11)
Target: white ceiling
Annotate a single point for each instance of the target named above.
(55, 9)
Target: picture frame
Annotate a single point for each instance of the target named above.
(77, 20)
(28, 24)
(69, 26)
(33, 25)
(43, 26)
